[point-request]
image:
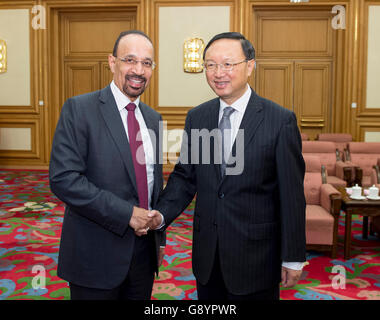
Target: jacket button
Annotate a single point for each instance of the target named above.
(221, 195)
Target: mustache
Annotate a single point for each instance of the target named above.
(128, 77)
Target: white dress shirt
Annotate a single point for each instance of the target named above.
(122, 101)
(235, 118)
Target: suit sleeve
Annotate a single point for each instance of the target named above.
(181, 186)
(290, 172)
(67, 174)
(161, 160)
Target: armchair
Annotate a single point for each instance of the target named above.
(323, 204)
(341, 141)
(338, 173)
(364, 157)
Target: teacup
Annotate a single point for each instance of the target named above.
(373, 192)
(356, 191)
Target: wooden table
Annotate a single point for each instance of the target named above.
(364, 208)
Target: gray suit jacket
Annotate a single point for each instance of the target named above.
(91, 171)
(256, 218)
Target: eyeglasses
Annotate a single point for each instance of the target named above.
(225, 66)
(147, 64)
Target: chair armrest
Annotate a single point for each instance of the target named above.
(347, 155)
(343, 170)
(358, 176)
(375, 175)
(324, 174)
(337, 154)
(331, 199)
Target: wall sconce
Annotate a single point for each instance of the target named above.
(192, 55)
(3, 56)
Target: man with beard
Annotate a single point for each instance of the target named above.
(105, 168)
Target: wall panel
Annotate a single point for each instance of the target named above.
(354, 79)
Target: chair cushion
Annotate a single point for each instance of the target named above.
(366, 181)
(364, 155)
(313, 179)
(312, 187)
(336, 137)
(341, 140)
(336, 182)
(319, 225)
(364, 147)
(365, 161)
(318, 147)
(312, 163)
(325, 150)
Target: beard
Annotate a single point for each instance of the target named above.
(132, 90)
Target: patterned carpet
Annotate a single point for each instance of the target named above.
(30, 227)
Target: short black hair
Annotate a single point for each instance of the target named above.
(125, 33)
(248, 49)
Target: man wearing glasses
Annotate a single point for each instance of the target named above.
(105, 168)
(249, 226)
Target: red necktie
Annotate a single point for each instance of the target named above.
(138, 156)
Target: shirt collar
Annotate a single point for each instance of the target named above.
(240, 104)
(121, 99)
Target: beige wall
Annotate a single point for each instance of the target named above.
(373, 64)
(176, 24)
(15, 139)
(15, 83)
(372, 136)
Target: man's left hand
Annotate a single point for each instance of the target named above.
(290, 277)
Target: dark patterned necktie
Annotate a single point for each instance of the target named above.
(225, 130)
(138, 156)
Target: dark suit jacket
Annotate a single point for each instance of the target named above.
(257, 218)
(92, 172)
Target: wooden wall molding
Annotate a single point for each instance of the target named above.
(56, 9)
(34, 153)
(341, 76)
(33, 116)
(366, 125)
(363, 111)
(287, 70)
(33, 108)
(265, 18)
(348, 77)
(175, 115)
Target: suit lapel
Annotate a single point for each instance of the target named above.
(212, 124)
(252, 118)
(111, 115)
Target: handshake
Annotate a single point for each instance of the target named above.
(142, 220)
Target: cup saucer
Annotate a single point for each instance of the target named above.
(373, 198)
(358, 198)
